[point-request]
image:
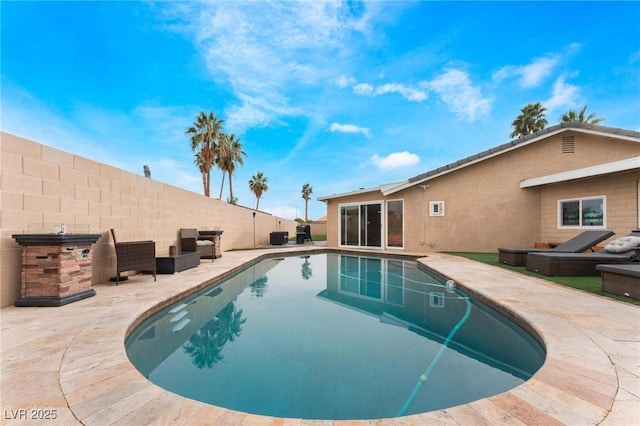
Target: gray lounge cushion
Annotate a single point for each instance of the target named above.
(623, 244)
(626, 270)
(203, 243)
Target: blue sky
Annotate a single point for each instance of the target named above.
(340, 95)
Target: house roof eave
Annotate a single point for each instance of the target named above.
(600, 169)
(347, 194)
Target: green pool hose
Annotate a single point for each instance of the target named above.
(423, 378)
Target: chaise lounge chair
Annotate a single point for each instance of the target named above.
(578, 244)
(624, 250)
(621, 279)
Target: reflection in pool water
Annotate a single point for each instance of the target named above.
(331, 336)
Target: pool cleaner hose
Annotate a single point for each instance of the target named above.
(423, 378)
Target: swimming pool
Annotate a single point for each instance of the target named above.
(333, 336)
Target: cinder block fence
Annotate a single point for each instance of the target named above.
(41, 187)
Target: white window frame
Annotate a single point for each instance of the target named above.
(436, 208)
(436, 299)
(580, 200)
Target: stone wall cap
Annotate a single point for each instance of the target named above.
(54, 239)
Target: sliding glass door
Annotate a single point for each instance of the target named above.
(371, 225)
(361, 225)
(349, 224)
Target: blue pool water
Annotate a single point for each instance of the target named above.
(332, 336)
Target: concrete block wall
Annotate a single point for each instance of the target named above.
(41, 187)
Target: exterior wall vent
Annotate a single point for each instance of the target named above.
(568, 145)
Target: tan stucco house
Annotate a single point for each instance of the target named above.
(545, 187)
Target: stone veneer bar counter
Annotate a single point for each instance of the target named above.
(56, 268)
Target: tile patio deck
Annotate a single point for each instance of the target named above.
(72, 359)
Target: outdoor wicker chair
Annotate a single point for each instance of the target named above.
(134, 256)
(190, 241)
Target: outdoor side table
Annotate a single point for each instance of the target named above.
(56, 268)
(177, 263)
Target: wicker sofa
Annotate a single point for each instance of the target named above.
(134, 256)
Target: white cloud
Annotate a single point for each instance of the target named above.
(564, 95)
(349, 128)
(264, 49)
(534, 73)
(363, 89)
(395, 160)
(538, 70)
(530, 75)
(409, 93)
(345, 81)
(455, 89)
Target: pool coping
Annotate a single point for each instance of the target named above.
(71, 360)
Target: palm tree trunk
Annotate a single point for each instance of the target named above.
(221, 185)
(230, 189)
(204, 183)
(306, 209)
(257, 203)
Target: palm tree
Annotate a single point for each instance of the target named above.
(259, 286)
(221, 154)
(204, 134)
(231, 154)
(228, 153)
(306, 272)
(258, 185)
(201, 166)
(306, 194)
(529, 121)
(571, 117)
(206, 345)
